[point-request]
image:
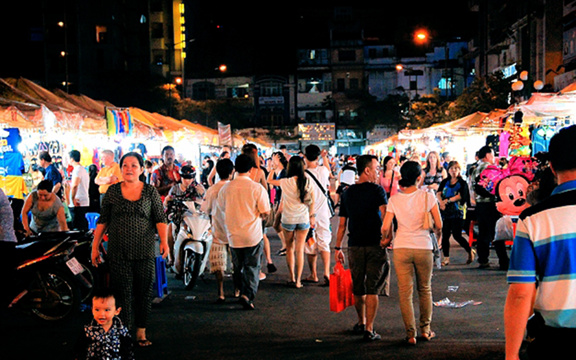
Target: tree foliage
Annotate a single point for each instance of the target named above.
(484, 94)
(391, 112)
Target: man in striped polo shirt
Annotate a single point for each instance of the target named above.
(542, 274)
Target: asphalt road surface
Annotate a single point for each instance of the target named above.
(292, 323)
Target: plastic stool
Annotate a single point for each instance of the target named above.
(160, 282)
(92, 218)
(29, 217)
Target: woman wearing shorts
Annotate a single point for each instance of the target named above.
(297, 215)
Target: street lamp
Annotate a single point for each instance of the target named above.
(177, 81)
(421, 36)
(411, 72)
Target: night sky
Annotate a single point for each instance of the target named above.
(267, 38)
(263, 36)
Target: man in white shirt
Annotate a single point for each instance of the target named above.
(219, 250)
(244, 203)
(321, 185)
(79, 199)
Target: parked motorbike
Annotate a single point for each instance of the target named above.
(90, 276)
(40, 278)
(193, 239)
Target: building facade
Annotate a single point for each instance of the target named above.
(535, 36)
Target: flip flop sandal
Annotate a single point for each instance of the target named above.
(144, 343)
(429, 335)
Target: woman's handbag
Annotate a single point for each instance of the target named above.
(341, 295)
(269, 220)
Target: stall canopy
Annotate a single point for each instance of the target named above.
(569, 89)
(26, 105)
(68, 115)
(542, 105)
(538, 107)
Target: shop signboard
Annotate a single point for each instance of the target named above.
(317, 131)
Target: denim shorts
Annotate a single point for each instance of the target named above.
(292, 227)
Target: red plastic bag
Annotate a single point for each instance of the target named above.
(341, 295)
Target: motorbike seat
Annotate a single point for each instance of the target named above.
(33, 249)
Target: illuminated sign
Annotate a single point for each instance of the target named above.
(317, 131)
(509, 71)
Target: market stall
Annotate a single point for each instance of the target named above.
(59, 122)
(460, 138)
(523, 129)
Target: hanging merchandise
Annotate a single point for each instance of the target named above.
(118, 121)
(519, 140)
(541, 136)
(11, 164)
(493, 141)
(504, 143)
(11, 161)
(510, 185)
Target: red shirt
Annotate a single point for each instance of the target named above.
(163, 179)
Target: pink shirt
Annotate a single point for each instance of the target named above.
(385, 183)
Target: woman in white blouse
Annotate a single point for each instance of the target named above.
(297, 215)
(413, 256)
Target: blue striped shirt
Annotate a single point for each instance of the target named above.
(544, 252)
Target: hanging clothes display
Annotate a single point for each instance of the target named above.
(519, 141)
(541, 136)
(493, 141)
(504, 143)
(11, 164)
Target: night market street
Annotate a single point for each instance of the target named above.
(293, 323)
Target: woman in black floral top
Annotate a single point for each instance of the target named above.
(132, 213)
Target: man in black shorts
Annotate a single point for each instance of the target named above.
(361, 211)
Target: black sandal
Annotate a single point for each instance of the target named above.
(144, 343)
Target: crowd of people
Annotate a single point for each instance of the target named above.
(393, 203)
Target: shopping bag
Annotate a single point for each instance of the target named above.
(310, 244)
(341, 295)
